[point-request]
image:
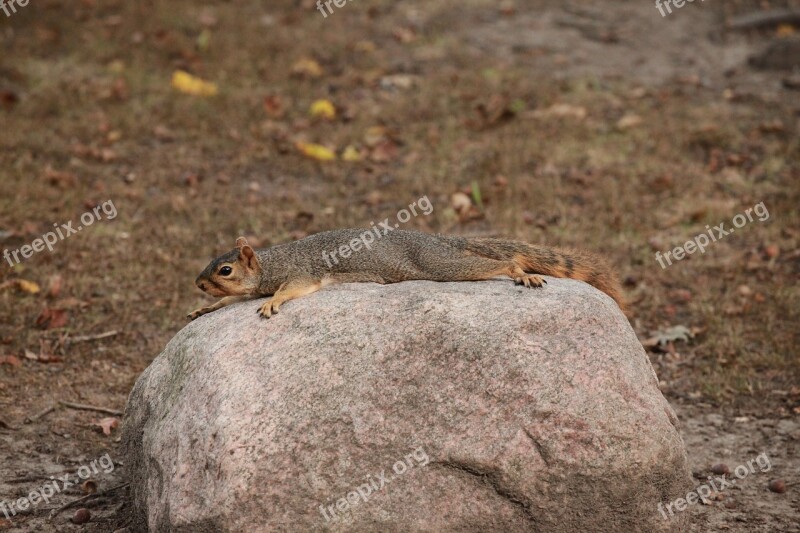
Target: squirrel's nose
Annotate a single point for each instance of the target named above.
(200, 284)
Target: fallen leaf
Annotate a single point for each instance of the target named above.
(669, 335)
(316, 151)
(188, 84)
(10, 360)
(8, 98)
(107, 424)
(60, 179)
(460, 202)
(273, 105)
(42, 358)
(375, 135)
(772, 251)
(307, 67)
(323, 109)
(51, 318)
(351, 153)
(561, 111)
(28, 286)
(397, 81)
(629, 121)
(204, 40)
(89, 486)
(385, 151)
(54, 284)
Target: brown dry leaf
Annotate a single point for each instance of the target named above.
(11, 360)
(772, 251)
(72, 303)
(107, 424)
(89, 486)
(375, 135)
(629, 121)
(8, 98)
(561, 111)
(496, 111)
(460, 202)
(51, 318)
(385, 151)
(404, 35)
(54, 284)
(273, 105)
(59, 178)
(42, 358)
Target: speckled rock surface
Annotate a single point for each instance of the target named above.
(419, 406)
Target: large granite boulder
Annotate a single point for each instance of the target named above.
(419, 406)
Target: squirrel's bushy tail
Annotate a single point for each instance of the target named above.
(559, 263)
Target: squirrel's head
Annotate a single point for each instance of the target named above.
(235, 273)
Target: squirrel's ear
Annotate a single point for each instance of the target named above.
(241, 242)
(248, 257)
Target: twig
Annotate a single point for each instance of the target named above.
(82, 407)
(97, 336)
(37, 416)
(760, 19)
(67, 505)
(25, 479)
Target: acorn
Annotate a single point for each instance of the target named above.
(81, 516)
(720, 469)
(777, 485)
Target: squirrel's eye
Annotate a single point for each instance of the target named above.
(225, 271)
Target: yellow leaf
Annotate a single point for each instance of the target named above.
(351, 153)
(784, 30)
(307, 67)
(186, 83)
(316, 151)
(323, 108)
(28, 286)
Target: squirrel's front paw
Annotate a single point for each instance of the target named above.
(199, 312)
(269, 308)
(530, 280)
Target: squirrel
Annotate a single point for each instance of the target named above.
(299, 268)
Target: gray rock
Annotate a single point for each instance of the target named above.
(419, 406)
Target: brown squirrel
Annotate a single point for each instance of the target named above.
(298, 268)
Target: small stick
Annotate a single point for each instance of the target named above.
(37, 416)
(759, 19)
(83, 338)
(82, 407)
(25, 479)
(67, 505)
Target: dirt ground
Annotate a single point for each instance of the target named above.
(598, 124)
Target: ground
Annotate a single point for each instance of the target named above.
(600, 125)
